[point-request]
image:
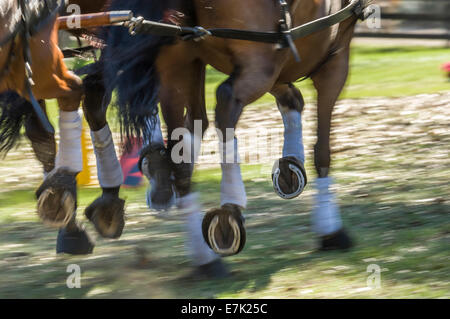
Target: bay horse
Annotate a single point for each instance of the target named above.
(148, 69)
(57, 198)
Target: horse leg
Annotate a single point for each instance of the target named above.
(326, 219)
(183, 156)
(107, 211)
(154, 164)
(223, 229)
(72, 239)
(43, 143)
(57, 196)
(288, 174)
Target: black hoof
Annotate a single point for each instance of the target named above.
(74, 242)
(155, 164)
(57, 198)
(288, 177)
(108, 216)
(216, 269)
(337, 241)
(223, 230)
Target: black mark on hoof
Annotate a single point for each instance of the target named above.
(337, 241)
(74, 242)
(155, 164)
(108, 216)
(224, 231)
(288, 177)
(57, 198)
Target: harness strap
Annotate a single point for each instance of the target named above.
(25, 32)
(354, 9)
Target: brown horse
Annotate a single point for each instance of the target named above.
(57, 195)
(138, 65)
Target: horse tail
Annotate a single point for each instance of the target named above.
(14, 111)
(129, 67)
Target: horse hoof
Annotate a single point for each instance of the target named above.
(288, 177)
(57, 197)
(223, 230)
(337, 241)
(154, 163)
(74, 242)
(216, 269)
(160, 200)
(108, 216)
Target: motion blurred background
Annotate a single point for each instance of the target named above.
(391, 163)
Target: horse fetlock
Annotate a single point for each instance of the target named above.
(289, 177)
(107, 214)
(223, 230)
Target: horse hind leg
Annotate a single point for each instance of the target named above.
(107, 212)
(179, 88)
(326, 219)
(288, 174)
(154, 163)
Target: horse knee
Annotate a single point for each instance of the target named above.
(228, 107)
(93, 101)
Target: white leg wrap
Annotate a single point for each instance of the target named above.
(293, 135)
(232, 189)
(326, 218)
(199, 251)
(108, 167)
(69, 151)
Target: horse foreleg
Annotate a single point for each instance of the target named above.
(43, 143)
(288, 174)
(254, 75)
(326, 219)
(154, 163)
(107, 211)
(184, 154)
(57, 196)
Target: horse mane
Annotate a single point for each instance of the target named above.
(129, 66)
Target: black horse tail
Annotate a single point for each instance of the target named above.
(129, 66)
(14, 112)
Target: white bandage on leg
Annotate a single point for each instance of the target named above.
(326, 218)
(293, 135)
(108, 167)
(69, 151)
(199, 251)
(232, 189)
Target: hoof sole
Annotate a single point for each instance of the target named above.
(108, 216)
(288, 177)
(223, 230)
(56, 208)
